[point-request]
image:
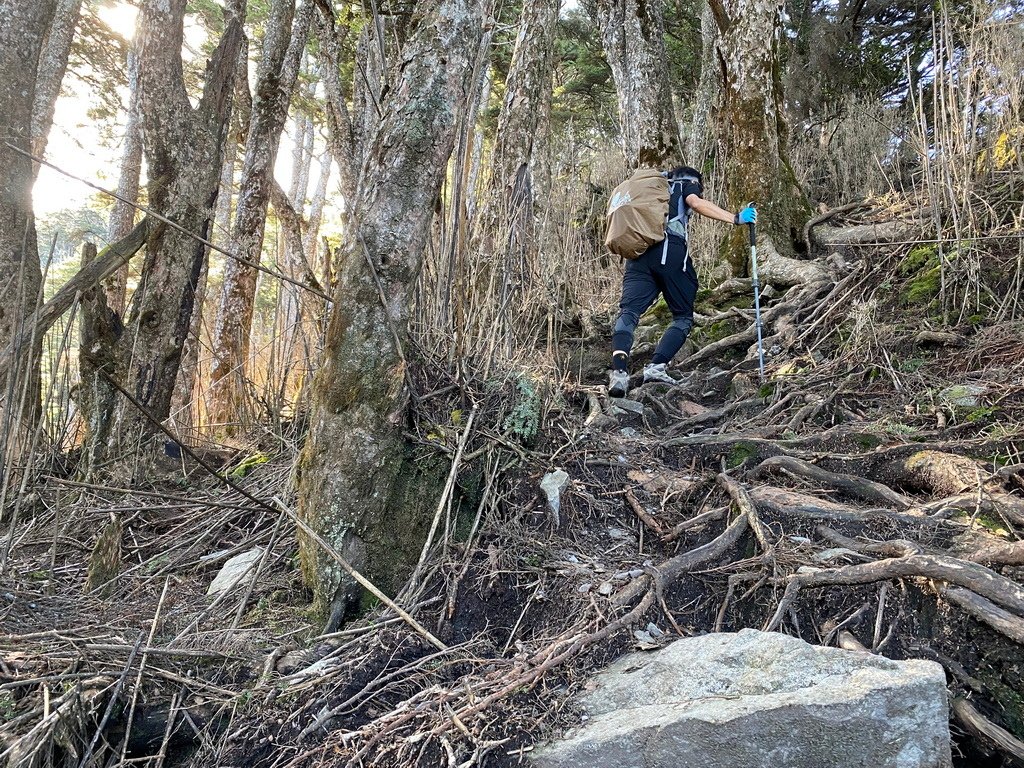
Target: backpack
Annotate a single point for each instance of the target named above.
(638, 215)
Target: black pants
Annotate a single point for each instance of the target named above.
(644, 279)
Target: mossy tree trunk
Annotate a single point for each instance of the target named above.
(633, 36)
(752, 132)
(355, 453)
(184, 149)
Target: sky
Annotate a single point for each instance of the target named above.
(77, 142)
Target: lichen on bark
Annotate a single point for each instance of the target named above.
(355, 452)
(752, 130)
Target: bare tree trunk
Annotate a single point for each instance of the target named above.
(22, 30)
(184, 151)
(341, 138)
(99, 328)
(355, 451)
(183, 403)
(122, 215)
(707, 91)
(752, 132)
(316, 210)
(633, 34)
(53, 61)
(527, 89)
(279, 66)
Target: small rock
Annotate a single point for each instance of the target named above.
(621, 576)
(553, 483)
(584, 587)
(963, 395)
(235, 569)
(653, 631)
(689, 408)
(628, 432)
(643, 637)
(629, 405)
(605, 589)
(636, 573)
(799, 539)
(619, 533)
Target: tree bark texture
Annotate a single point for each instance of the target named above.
(527, 89)
(53, 61)
(752, 133)
(633, 36)
(99, 328)
(697, 140)
(340, 133)
(122, 215)
(23, 28)
(184, 151)
(355, 452)
(279, 67)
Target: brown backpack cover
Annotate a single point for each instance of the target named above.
(637, 214)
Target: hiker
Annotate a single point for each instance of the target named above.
(664, 267)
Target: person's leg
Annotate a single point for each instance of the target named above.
(679, 287)
(639, 290)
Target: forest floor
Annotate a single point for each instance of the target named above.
(870, 492)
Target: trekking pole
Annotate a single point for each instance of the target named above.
(757, 298)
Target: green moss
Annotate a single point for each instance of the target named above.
(983, 413)
(1011, 701)
(247, 465)
(708, 334)
(924, 288)
(740, 452)
(523, 420)
(867, 442)
(918, 258)
(659, 312)
(925, 272)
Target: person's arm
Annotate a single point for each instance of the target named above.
(709, 209)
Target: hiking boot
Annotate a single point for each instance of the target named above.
(618, 383)
(657, 372)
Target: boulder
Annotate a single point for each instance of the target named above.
(759, 700)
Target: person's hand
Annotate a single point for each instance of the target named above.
(747, 216)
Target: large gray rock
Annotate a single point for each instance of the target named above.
(759, 700)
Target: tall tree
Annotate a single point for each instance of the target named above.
(23, 29)
(184, 150)
(340, 133)
(355, 451)
(53, 61)
(283, 48)
(122, 214)
(751, 128)
(633, 35)
(527, 92)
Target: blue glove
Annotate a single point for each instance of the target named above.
(747, 216)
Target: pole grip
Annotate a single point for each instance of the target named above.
(753, 233)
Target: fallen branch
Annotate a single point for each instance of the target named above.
(109, 260)
(979, 725)
(852, 485)
(987, 612)
(974, 577)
